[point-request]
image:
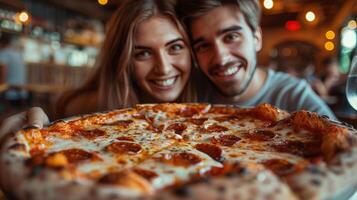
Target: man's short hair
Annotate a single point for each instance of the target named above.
(188, 10)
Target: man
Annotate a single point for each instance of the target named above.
(226, 37)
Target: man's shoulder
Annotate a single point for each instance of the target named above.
(282, 79)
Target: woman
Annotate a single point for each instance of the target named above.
(145, 58)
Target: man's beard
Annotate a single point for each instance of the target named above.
(244, 86)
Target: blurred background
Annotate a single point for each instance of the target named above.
(54, 44)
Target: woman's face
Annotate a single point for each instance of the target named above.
(162, 60)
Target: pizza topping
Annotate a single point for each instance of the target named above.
(90, 134)
(225, 140)
(183, 159)
(56, 160)
(306, 149)
(75, 156)
(212, 150)
(125, 138)
(260, 135)
(148, 175)
(215, 128)
(266, 112)
(177, 127)
(127, 179)
(226, 118)
(123, 148)
(196, 121)
(279, 166)
(120, 123)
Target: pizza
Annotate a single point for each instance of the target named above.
(182, 151)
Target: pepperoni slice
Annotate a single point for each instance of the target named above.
(90, 134)
(212, 150)
(123, 148)
(196, 121)
(225, 140)
(307, 149)
(125, 138)
(177, 127)
(147, 174)
(261, 135)
(113, 178)
(226, 118)
(121, 123)
(279, 166)
(78, 155)
(188, 112)
(215, 128)
(183, 159)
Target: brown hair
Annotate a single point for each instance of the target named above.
(188, 10)
(112, 79)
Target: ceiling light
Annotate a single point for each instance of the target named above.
(330, 35)
(102, 2)
(268, 4)
(310, 16)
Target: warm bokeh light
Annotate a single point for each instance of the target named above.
(348, 38)
(330, 35)
(329, 46)
(293, 25)
(310, 16)
(268, 4)
(102, 2)
(352, 24)
(23, 17)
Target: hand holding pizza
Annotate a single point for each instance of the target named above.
(34, 117)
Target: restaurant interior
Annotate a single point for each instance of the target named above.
(59, 40)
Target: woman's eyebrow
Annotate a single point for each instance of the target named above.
(173, 41)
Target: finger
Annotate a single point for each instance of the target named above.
(13, 123)
(36, 117)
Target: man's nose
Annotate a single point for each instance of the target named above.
(163, 65)
(220, 54)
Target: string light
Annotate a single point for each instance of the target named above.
(268, 4)
(310, 16)
(329, 46)
(330, 35)
(102, 2)
(352, 24)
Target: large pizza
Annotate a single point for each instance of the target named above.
(182, 151)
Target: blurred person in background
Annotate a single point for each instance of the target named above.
(13, 68)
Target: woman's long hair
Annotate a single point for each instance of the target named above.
(112, 78)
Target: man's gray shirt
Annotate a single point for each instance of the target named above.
(288, 93)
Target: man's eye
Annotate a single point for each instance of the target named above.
(201, 47)
(142, 54)
(231, 37)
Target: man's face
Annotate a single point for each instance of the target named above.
(225, 48)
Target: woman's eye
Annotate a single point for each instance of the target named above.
(176, 48)
(142, 54)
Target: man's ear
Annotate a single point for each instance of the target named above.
(258, 39)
